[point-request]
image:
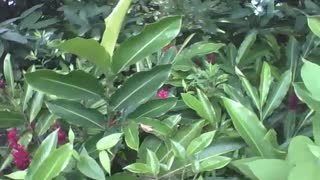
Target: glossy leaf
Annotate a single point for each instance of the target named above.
(200, 143)
(299, 152)
(140, 87)
(210, 113)
(113, 24)
(55, 163)
(311, 82)
(131, 135)
(151, 39)
(153, 162)
(89, 167)
(250, 129)
(314, 24)
(213, 163)
(35, 105)
(154, 108)
(47, 146)
(77, 114)
(77, 85)
(27, 91)
(10, 119)
(138, 168)
(245, 46)
(105, 161)
(265, 83)
(16, 175)
(306, 97)
(178, 150)
(44, 122)
(278, 92)
(89, 49)
(8, 73)
(109, 141)
(154, 126)
(250, 90)
(293, 55)
(267, 169)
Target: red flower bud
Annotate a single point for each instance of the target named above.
(21, 157)
(12, 137)
(61, 136)
(293, 101)
(163, 94)
(111, 123)
(211, 58)
(2, 83)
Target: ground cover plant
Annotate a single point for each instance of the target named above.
(195, 89)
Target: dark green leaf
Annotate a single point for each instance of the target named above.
(10, 119)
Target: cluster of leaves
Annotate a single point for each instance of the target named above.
(221, 116)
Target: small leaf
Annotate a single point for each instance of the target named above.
(89, 167)
(28, 91)
(16, 175)
(199, 143)
(207, 107)
(153, 162)
(77, 85)
(265, 83)
(178, 150)
(8, 73)
(131, 135)
(155, 126)
(77, 114)
(109, 141)
(71, 135)
(36, 105)
(89, 49)
(138, 168)
(213, 163)
(151, 39)
(105, 161)
(245, 46)
(314, 24)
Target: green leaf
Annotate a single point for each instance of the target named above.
(16, 175)
(109, 141)
(151, 39)
(200, 143)
(154, 108)
(36, 105)
(122, 176)
(213, 163)
(316, 127)
(105, 161)
(305, 171)
(89, 49)
(89, 167)
(131, 135)
(250, 90)
(314, 24)
(210, 114)
(305, 96)
(172, 121)
(293, 55)
(44, 122)
(265, 83)
(113, 24)
(311, 82)
(140, 87)
(315, 150)
(250, 129)
(71, 135)
(155, 126)
(138, 168)
(55, 163)
(77, 85)
(47, 146)
(278, 92)
(267, 169)
(183, 60)
(27, 91)
(245, 46)
(153, 162)
(77, 114)
(8, 73)
(299, 152)
(10, 119)
(178, 150)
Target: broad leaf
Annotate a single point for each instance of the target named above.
(139, 168)
(267, 169)
(151, 39)
(154, 126)
(10, 119)
(250, 129)
(299, 152)
(306, 97)
(89, 49)
(77, 114)
(200, 143)
(55, 163)
(8, 73)
(109, 141)
(77, 85)
(44, 150)
(154, 108)
(312, 83)
(89, 167)
(214, 162)
(178, 150)
(314, 24)
(140, 87)
(131, 135)
(105, 161)
(113, 24)
(207, 107)
(278, 92)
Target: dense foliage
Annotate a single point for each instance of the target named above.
(160, 89)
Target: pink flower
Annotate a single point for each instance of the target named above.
(61, 133)
(21, 157)
(163, 94)
(293, 102)
(111, 123)
(2, 83)
(211, 58)
(12, 137)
